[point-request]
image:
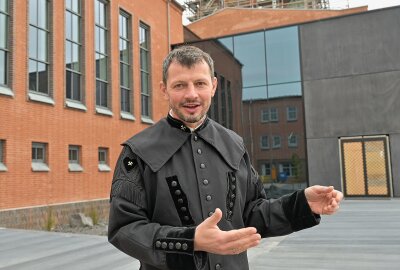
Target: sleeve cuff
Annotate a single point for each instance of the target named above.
(298, 212)
(179, 248)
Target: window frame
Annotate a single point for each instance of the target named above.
(39, 29)
(103, 166)
(75, 165)
(292, 144)
(289, 112)
(6, 50)
(262, 146)
(3, 167)
(103, 56)
(146, 116)
(40, 164)
(275, 145)
(126, 113)
(76, 100)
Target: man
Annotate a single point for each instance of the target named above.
(184, 194)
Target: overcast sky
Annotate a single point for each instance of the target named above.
(341, 4)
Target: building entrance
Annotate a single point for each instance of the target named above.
(365, 166)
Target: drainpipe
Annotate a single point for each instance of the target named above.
(168, 26)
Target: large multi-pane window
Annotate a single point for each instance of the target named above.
(73, 49)
(4, 18)
(101, 48)
(125, 62)
(38, 46)
(145, 82)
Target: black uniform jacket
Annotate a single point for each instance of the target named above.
(168, 180)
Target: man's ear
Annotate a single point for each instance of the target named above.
(163, 89)
(214, 84)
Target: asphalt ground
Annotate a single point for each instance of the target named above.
(364, 234)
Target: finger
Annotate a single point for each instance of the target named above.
(339, 196)
(243, 244)
(215, 218)
(235, 235)
(322, 189)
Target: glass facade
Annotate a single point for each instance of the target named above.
(38, 46)
(265, 93)
(73, 49)
(101, 48)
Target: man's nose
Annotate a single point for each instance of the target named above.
(191, 91)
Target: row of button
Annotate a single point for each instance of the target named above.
(171, 245)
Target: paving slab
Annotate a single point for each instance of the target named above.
(364, 234)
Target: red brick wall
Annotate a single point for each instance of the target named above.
(23, 121)
(231, 21)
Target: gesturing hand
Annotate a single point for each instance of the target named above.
(323, 200)
(210, 238)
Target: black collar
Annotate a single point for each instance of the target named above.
(180, 125)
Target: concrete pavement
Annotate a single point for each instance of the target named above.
(365, 234)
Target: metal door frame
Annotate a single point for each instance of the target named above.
(362, 140)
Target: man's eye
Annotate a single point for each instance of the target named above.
(178, 86)
(201, 83)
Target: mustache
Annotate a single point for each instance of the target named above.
(191, 103)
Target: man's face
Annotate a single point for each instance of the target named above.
(189, 92)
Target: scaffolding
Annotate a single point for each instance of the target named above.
(197, 9)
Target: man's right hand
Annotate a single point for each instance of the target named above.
(208, 237)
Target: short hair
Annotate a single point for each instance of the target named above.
(187, 56)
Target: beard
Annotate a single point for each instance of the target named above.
(190, 118)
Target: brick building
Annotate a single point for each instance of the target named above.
(77, 78)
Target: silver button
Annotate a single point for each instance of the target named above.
(195, 138)
(180, 201)
(183, 209)
(184, 246)
(202, 165)
(210, 213)
(171, 245)
(178, 245)
(164, 245)
(199, 151)
(208, 198)
(205, 182)
(174, 183)
(158, 244)
(218, 266)
(177, 192)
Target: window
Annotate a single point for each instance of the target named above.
(269, 115)
(288, 168)
(291, 113)
(265, 169)
(38, 47)
(230, 110)
(124, 63)
(223, 100)
(264, 142)
(4, 53)
(276, 141)
(39, 157)
(74, 158)
(103, 160)
(145, 82)
(292, 140)
(73, 47)
(2, 156)
(101, 48)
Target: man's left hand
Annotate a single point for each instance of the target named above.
(323, 200)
